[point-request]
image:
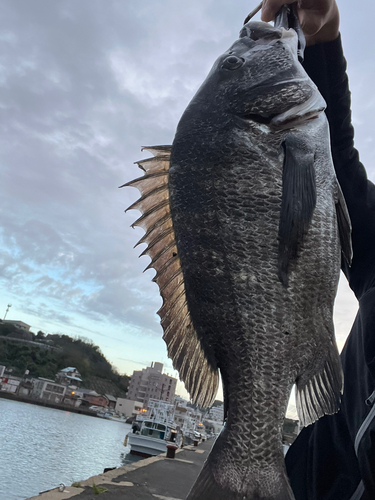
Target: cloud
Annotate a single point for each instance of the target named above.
(83, 86)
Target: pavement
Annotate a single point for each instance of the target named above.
(154, 478)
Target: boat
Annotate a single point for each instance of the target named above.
(152, 432)
(193, 431)
(108, 414)
(118, 418)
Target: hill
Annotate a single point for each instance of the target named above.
(44, 356)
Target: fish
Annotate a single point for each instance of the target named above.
(246, 225)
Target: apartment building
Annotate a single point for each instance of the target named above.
(151, 382)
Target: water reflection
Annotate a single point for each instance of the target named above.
(42, 447)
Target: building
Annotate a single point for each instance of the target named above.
(9, 383)
(214, 418)
(17, 324)
(216, 413)
(16, 385)
(25, 387)
(92, 398)
(151, 383)
(69, 376)
(290, 430)
(72, 397)
(182, 413)
(48, 390)
(111, 401)
(21, 335)
(128, 408)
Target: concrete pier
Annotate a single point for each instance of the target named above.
(154, 478)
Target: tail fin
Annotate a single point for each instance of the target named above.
(265, 483)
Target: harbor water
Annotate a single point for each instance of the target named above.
(42, 447)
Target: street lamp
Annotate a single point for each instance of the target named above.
(6, 312)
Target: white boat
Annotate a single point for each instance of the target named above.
(108, 414)
(157, 430)
(118, 418)
(152, 439)
(193, 431)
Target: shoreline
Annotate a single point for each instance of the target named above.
(157, 477)
(47, 404)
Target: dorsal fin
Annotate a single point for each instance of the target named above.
(200, 377)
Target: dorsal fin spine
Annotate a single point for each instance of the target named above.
(154, 227)
(146, 197)
(172, 278)
(158, 238)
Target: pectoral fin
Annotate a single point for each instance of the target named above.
(298, 200)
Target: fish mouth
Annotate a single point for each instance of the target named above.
(277, 122)
(287, 31)
(297, 115)
(263, 120)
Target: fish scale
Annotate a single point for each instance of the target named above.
(245, 233)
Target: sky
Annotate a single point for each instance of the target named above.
(84, 84)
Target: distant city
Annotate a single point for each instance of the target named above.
(65, 390)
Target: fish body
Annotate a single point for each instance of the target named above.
(256, 229)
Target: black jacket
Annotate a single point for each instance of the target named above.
(334, 459)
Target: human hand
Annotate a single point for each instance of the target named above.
(320, 19)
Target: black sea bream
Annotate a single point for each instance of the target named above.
(245, 223)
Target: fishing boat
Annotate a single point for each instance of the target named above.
(152, 432)
(108, 414)
(118, 418)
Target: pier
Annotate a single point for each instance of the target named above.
(154, 478)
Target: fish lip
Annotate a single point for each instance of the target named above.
(297, 115)
(292, 117)
(254, 118)
(294, 122)
(276, 122)
(279, 122)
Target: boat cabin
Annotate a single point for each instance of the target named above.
(155, 430)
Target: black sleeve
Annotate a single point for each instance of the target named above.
(326, 66)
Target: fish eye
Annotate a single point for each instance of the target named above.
(232, 62)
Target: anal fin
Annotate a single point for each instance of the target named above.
(321, 394)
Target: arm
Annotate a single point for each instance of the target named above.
(326, 66)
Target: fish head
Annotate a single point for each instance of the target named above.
(260, 79)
